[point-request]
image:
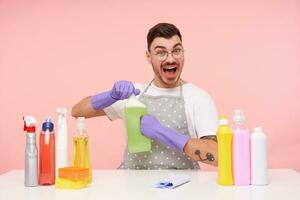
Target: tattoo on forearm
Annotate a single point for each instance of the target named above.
(209, 156)
(209, 137)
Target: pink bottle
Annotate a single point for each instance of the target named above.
(241, 150)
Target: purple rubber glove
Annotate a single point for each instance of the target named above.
(121, 90)
(151, 127)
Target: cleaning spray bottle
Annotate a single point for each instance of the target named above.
(31, 153)
(81, 148)
(61, 140)
(136, 142)
(47, 154)
(224, 136)
(241, 149)
(259, 162)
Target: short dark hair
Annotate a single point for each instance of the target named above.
(164, 30)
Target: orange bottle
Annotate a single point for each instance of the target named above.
(47, 154)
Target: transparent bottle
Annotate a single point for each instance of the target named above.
(81, 148)
(241, 149)
(47, 154)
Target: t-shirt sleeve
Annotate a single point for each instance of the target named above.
(116, 110)
(205, 116)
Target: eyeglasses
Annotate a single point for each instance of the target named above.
(162, 55)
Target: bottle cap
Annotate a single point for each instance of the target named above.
(223, 120)
(257, 129)
(239, 116)
(48, 125)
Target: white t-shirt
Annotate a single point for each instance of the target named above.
(201, 112)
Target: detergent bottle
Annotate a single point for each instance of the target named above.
(31, 153)
(224, 136)
(81, 148)
(47, 154)
(136, 142)
(61, 143)
(259, 163)
(241, 149)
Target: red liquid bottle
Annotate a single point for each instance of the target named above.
(47, 154)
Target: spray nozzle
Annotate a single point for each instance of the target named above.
(62, 112)
(29, 124)
(81, 125)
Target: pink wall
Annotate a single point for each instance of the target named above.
(246, 55)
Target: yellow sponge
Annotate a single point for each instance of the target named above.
(63, 183)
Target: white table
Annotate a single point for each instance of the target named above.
(136, 184)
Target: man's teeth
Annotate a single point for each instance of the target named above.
(169, 67)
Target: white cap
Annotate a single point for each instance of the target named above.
(239, 116)
(61, 110)
(81, 124)
(223, 121)
(257, 129)
(133, 101)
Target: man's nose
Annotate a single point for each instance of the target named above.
(170, 58)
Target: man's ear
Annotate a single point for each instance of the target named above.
(148, 57)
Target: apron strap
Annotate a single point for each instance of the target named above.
(147, 87)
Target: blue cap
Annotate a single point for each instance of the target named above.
(48, 125)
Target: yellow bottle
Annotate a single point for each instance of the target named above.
(224, 136)
(81, 148)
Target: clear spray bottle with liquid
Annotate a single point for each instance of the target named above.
(81, 148)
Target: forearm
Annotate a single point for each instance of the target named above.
(85, 109)
(204, 149)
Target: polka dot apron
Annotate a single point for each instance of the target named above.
(170, 111)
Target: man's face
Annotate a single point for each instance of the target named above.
(167, 59)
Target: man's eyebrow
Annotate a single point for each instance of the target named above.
(162, 47)
(178, 44)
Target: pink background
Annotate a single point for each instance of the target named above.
(245, 54)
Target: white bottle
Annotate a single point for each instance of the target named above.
(259, 166)
(61, 140)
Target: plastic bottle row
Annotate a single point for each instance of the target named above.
(242, 158)
(44, 167)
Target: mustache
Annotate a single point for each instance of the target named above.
(169, 63)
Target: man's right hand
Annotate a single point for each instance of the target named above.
(123, 89)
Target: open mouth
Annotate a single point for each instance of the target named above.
(170, 69)
(169, 72)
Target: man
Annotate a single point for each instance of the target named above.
(182, 118)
